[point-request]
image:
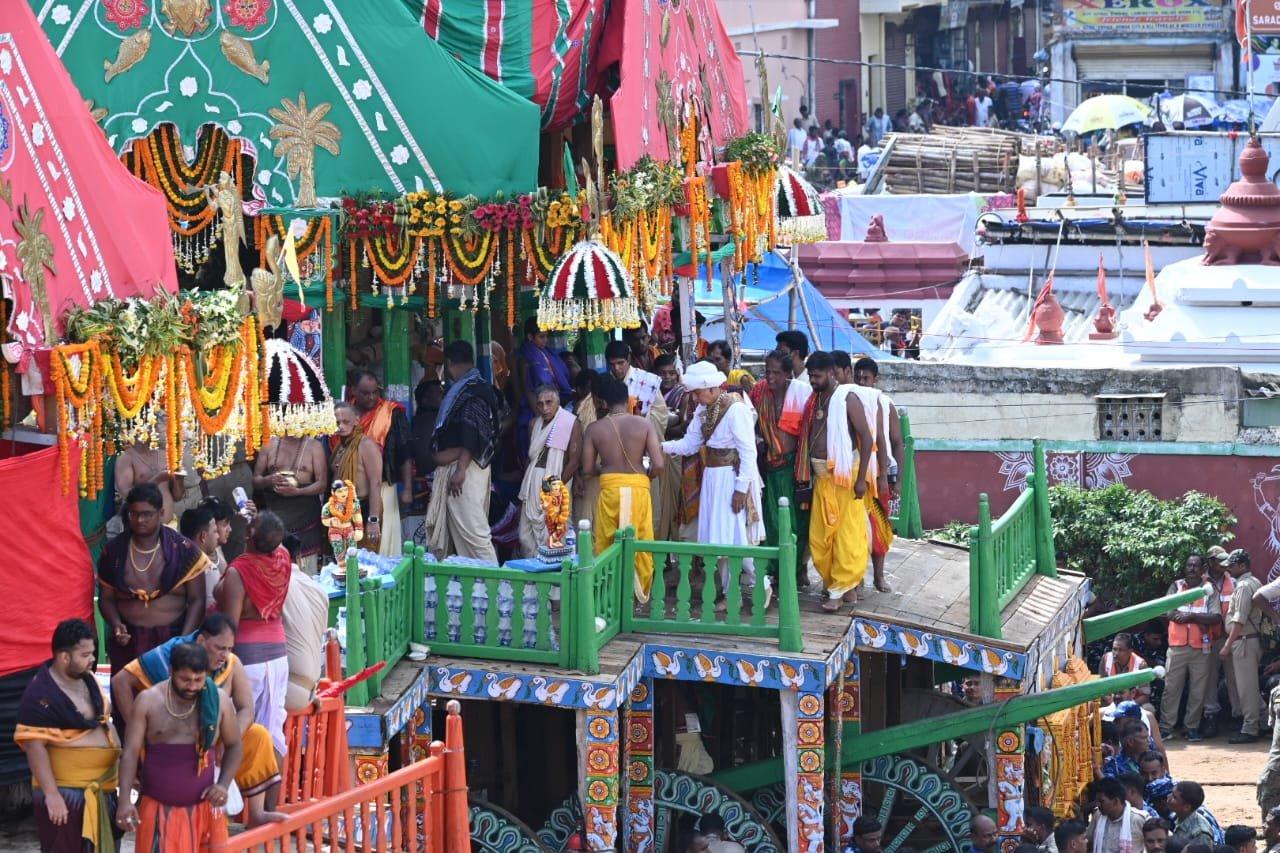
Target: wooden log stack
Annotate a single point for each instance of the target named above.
(956, 160)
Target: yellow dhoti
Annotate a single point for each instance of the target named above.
(838, 533)
(94, 770)
(259, 769)
(625, 501)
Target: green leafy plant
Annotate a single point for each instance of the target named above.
(956, 532)
(646, 186)
(757, 152)
(1130, 542)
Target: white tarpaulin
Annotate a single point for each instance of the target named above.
(914, 218)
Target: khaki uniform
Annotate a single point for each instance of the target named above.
(1187, 664)
(1218, 668)
(1269, 780)
(1246, 655)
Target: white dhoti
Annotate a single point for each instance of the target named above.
(392, 542)
(546, 447)
(460, 525)
(270, 684)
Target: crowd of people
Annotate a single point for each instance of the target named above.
(206, 659)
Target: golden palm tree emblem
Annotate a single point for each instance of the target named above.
(35, 253)
(298, 132)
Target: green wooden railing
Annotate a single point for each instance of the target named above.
(907, 522)
(696, 613)
(479, 611)
(1005, 554)
(380, 621)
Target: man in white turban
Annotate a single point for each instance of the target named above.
(723, 431)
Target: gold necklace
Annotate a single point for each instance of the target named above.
(133, 563)
(167, 693)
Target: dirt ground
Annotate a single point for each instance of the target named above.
(1228, 773)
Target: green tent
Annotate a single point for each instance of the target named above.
(407, 114)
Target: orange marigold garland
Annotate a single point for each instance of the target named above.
(695, 189)
(78, 396)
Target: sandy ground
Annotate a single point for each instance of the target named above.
(1228, 773)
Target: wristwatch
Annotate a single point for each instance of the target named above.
(373, 519)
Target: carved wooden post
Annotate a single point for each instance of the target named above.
(803, 746)
(1010, 782)
(849, 794)
(598, 775)
(639, 826)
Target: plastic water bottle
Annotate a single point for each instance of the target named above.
(1205, 642)
(242, 502)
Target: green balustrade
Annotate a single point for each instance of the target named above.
(907, 522)
(1005, 554)
(380, 622)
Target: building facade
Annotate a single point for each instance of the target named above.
(1138, 48)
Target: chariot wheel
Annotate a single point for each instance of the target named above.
(675, 796)
(917, 804)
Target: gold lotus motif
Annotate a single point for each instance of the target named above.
(186, 16)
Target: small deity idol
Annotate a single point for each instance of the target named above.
(341, 518)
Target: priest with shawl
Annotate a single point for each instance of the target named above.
(150, 580)
(536, 367)
(385, 424)
(63, 726)
(555, 450)
(252, 596)
(463, 442)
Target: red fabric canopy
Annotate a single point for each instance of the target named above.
(690, 46)
(45, 569)
(73, 221)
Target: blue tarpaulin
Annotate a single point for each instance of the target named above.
(768, 297)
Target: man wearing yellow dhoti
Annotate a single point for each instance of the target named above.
(64, 728)
(644, 398)
(621, 441)
(834, 429)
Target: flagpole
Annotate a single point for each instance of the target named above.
(1248, 37)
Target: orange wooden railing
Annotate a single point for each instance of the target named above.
(316, 765)
(383, 815)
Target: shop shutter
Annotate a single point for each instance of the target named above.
(895, 79)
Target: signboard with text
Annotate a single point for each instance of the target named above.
(1166, 16)
(1195, 168)
(1264, 17)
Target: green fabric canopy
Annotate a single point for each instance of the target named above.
(409, 114)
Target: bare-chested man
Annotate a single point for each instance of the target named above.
(259, 775)
(182, 723)
(151, 584)
(622, 441)
(142, 464)
(838, 463)
(63, 725)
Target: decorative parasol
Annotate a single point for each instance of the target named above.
(589, 287)
(298, 401)
(800, 215)
(1105, 112)
(1191, 111)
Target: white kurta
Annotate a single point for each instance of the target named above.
(718, 524)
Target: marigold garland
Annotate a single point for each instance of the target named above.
(79, 413)
(213, 397)
(470, 258)
(130, 392)
(699, 221)
(392, 257)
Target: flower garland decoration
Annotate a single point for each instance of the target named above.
(171, 372)
(77, 392)
(695, 190)
(158, 159)
(315, 248)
